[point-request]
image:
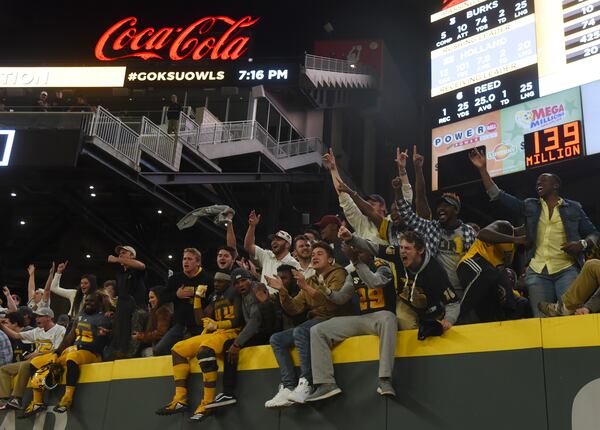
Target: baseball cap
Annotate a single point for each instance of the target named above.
(281, 234)
(44, 312)
(44, 93)
(126, 248)
(240, 273)
(222, 276)
(451, 199)
(328, 219)
(376, 198)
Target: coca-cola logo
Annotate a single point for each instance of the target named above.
(125, 40)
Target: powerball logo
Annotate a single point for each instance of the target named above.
(541, 117)
(468, 136)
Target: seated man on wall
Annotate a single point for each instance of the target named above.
(47, 337)
(372, 281)
(582, 297)
(222, 319)
(83, 345)
(311, 299)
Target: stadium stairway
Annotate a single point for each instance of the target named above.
(529, 374)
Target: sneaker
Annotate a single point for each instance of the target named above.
(33, 409)
(281, 398)
(385, 387)
(324, 391)
(198, 416)
(222, 399)
(301, 392)
(14, 403)
(174, 407)
(553, 309)
(61, 409)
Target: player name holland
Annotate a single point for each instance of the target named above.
(529, 20)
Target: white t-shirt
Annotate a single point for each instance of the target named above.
(45, 341)
(269, 264)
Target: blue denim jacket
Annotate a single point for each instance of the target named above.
(576, 223)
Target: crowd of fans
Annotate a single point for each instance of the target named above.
(373, 270)
(57, 103)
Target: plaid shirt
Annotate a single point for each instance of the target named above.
(6, 351)
(431, 230)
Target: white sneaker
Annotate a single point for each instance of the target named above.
(281, 398)
(301, 392)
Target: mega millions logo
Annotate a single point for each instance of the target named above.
(469, 136)
(538, 118)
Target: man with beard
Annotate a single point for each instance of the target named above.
(558, 229)
(182, 288)
(83, 345)
(302, 253)
(269, 260)
(226, 256)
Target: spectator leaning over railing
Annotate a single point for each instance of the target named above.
(38, 298)
(82, 345)
(269, 260)
(181, 291)
(87, 285)
(46, 337)
(328, 274)
(558, 229)
(159, 322)
(426, 299)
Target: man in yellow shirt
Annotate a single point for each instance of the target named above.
(558, 230)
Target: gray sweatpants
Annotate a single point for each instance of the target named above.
(325, 335)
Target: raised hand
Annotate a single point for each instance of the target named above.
(343, 188)
(261, 292)
(275, 282)
(299, 277)
(329, 160)
(62, 266)
(477, 157)
(31, 270)
(418, 159)
(253, 219)
(401, 157)
(344, 233)
(6, 291)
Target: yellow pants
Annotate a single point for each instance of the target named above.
(79, 356)
(584, 286)
(189, 348)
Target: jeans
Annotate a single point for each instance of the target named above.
(543, 287)
(281, 344)
(171, 337)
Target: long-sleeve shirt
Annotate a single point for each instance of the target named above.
(252, 317)
(68, 294)
(6, 351)
(361, 224)
(318, 306)
(159, 324)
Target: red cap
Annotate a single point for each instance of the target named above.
(328, 219)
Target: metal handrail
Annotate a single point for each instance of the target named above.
(158, 142)
(299, 147)
(316, 62)
(112, 131)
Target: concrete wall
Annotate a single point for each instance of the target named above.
(512, 375)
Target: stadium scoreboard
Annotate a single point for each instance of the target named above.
(513, 68)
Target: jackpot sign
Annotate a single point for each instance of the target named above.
(211, 37)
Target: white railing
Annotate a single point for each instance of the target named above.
(299, 147)
(156, 141)
(113, 132)
(333, 65)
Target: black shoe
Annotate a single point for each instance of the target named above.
(33, 409)
(14, 403)
(222, 399)
(174, 407)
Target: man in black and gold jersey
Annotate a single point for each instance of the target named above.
(425, 297)
(222, 319)
(372, 281)
(181, 290)
(82, 345)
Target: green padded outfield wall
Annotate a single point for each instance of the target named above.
(530, 374)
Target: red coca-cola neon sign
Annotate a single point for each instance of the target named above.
(124, 40)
